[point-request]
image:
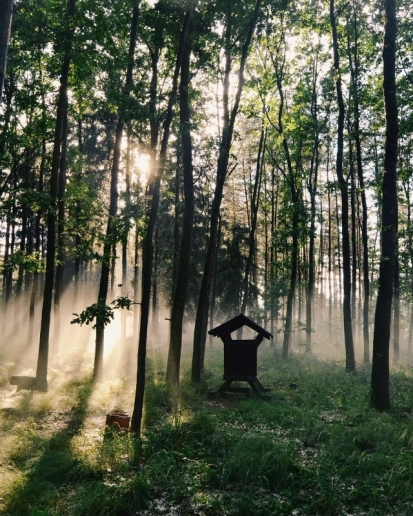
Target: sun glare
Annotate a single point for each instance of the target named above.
(141, 162)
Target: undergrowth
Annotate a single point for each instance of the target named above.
(315, 448)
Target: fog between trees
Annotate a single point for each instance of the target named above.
(263, 126)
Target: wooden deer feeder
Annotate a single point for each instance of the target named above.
(240, 356)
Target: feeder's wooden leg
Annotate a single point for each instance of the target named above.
(225, 387)
(261, 386)
(257, 387)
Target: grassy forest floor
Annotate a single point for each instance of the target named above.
(316, 447)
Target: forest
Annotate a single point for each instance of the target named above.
(166, 165)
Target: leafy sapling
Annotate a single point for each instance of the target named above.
(102, 311)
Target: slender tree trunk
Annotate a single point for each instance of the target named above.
(330, 253)
(380, 375)
(410, 243)
(353, 233)
(178, 304)
(201, 321)
(23, 232)
(266, 251)
(254, 220)
(147, 247)
(364, 224)
(136, 280)
(6, 254)
(348, 333)
(43, 357)
(396, 309)
(6, 15)
(338, 277)
(155, 269)
(214, 280)
(273, 258)
(410, 338)
(366, 274)
(8, 111)
(313, 192)
(113, 205)
(295, 206)
(125, 236)
(78, 239)
(37, 239)
(177, 218)
(60, 236)
(293, 283)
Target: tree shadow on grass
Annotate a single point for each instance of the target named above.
(44, 457)
(55, 480)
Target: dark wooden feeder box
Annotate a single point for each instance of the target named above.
(240, 356)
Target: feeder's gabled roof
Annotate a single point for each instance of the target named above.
(237, 322)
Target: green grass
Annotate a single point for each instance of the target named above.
(315, 448)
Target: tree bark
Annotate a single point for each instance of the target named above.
(295, 201)
(396, 310)
(125, 236)
(178, 303)
(312, 189)
(6, 15)
(254, 220)
(37, 240)
(60, 236)
(273, 256)
(147, 246)
(348, 334)
(113, 204)
(355, 65)
(177, 218)
(43, 357)
(380, 375)
(201, 321)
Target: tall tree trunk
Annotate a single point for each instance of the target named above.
(113, 205)
(291, 180)
(43, 357)
(266, 252)
(330, 251)
(364, 227)
(37, 240)
(136, 279)
(78, 239)
(380, 375)
(155, 269)
(178, 303)
(348, 334)
(60, 236)
(396, 309)
(214, 280)
(355, 86)
(273, 257)
(293, 283)
(254, 220)
(147, 247)
(410, 245)
(201, 321)
(177, 217)
(6, 15)
(125, 236)
(353, 232)
(12, 244)
(312, 188)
